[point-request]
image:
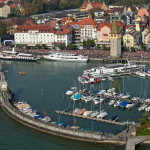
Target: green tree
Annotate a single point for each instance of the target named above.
(3, 29)
(90, 43)
(132, 49)
(62, 47)
(84, 44)
(104, 47)
(71, 47)
(38, 46)
(124, 49)
(44, 46)
(144, 48)
(145, 118)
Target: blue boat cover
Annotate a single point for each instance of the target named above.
(123, 104)
(77, 96)
(63, 124)
(95, 92)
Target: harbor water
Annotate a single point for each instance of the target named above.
(55, 78)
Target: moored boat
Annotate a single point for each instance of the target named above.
(64, 56)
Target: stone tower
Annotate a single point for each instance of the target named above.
(115, 41)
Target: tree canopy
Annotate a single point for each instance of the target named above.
(32, 7)
(3, 29)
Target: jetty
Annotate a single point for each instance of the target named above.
(90, 118)
(133, 141)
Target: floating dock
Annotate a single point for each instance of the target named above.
(90, 118)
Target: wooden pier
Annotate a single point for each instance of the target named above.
(90, 118)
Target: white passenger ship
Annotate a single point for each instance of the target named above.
(64, 56)
(12, 55)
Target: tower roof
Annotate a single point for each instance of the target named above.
(115, 29)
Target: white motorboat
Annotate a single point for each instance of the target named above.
(102, 114)
(69, 92)
(87, 113)
(107, 94)
(117, 103)
(63, 56)
(129, 105)
(142, 107)
(147, 108)
(94, 114)
(135, 98)
(98, 100)
(147, 100)
(112, 102)
(111, 90)
(76, 110)
(141, 74)
(110, 79)
(125, 96)
(101, 92)
(87, 98)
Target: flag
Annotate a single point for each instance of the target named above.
(75, 121)
(45, 113)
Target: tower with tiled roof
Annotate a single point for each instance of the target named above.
(115, 41)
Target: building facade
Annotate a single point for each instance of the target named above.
(4, 11)
(64, 35)
(32, 34)
(88, 29)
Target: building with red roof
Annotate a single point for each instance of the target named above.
(88, 29)
(143, 12)
(87, 5)
(32, 34)
(64, 35)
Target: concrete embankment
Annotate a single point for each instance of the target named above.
(50, 128)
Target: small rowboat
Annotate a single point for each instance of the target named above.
(22, 73)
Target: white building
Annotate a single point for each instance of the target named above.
(4, 10)
(64, 35)
(88, 29)
(32, 34)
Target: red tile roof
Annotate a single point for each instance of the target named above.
(88, 21)
(65, 19)
(94, 4)
(109, 25)
(128, 26)
(102, 24)
(31, 26)
(66, 29)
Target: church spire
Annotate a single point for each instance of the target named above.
(115, 29)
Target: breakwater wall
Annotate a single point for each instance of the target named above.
(50, 128)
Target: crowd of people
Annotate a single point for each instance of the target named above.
(93, 53)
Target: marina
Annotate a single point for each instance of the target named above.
(63, 102)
